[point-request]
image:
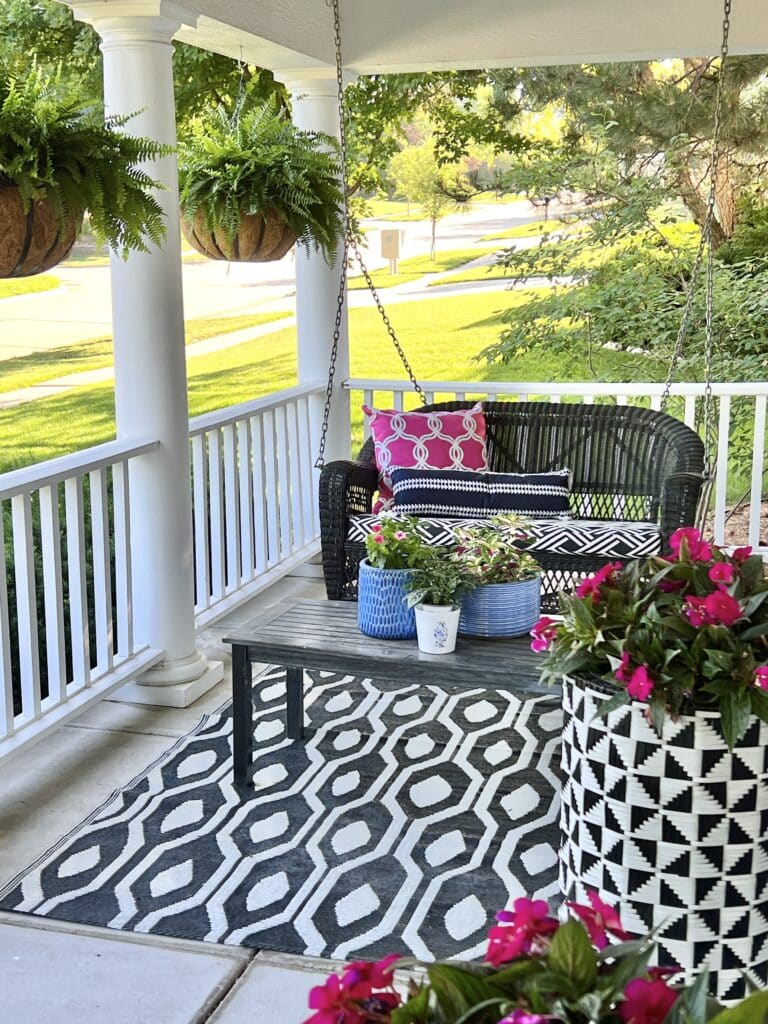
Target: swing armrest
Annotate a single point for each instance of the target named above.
(679, 502)
(346, 489)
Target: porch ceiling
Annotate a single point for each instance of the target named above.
(403, 35)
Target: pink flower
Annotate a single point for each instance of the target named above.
(687, 540)
(695, 610)
(400, 534)
(640, 685)
(523, 1017)
(520, 931)
(722, 609)
(331, 1001)
(722, 573)
(623, 673)
(599, 920)
(363, 977)
(646, 1001)
(590, 587)
(716, 609)
(376, 528)
(378, 539)
(741, 554)
(761, 677)
(543, 633)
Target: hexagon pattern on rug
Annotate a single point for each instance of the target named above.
(407, 817)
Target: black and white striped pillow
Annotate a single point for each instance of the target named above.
(458, 494)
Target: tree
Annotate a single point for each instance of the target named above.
(456, 104)
(419, 177)
(47, 30)
(648, 119)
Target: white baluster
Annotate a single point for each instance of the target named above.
(78, 595)
(270, 488)
(689, 416)
(721, 479)
(231, 511)
(6, 679)
(758, 472)
(310, 511)
(245, 500)
(260, 533)
(102, 572)
(201, 521)
(216, 492)
(123, 582)
(296, 476)
(283, 480)
(53, 593)
(26, 604)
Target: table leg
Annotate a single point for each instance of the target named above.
(294, 721)
(242, 714)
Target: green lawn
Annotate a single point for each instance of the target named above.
(417, 266)
(27, 285)
(531, 230)
(38, 367)
(440, 335)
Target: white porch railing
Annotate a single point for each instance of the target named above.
(66, 616)
(254, 496)
(739, 409)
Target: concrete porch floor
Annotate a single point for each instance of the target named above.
(54, 973)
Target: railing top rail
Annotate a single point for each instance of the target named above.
(54, 471)
(233, 413)
(551, 388)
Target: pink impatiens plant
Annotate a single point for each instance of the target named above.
(686, 631)
(537, 969)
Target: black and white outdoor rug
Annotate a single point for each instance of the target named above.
(405, 820)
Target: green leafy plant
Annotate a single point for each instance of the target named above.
(537, 969)
(492, 552)
(675, 633)
(257, 162)
(439, 580)
(395, 543)
(55, 145)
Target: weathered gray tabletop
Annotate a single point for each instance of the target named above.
(324, 635)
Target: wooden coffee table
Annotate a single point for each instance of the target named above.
(323, 635)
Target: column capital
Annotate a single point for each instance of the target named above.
(134, 21)
(312, 82)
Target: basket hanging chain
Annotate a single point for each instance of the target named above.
(350, 244)
(705, 246)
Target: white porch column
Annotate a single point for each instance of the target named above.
(150, 366)
(315, 108)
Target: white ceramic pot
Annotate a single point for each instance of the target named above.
(436, 627)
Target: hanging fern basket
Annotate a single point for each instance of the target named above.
(32, 241)
(260, 238)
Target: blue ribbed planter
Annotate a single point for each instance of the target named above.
(381, 609)
(501, 609)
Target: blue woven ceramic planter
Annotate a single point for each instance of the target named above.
(381, 609)
(501, 609)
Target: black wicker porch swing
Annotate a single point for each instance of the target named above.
(635, 472)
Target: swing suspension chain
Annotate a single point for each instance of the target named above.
(350, 244)
(705, 246)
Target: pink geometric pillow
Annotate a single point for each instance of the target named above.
(425, 440)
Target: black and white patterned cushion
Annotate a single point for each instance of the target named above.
(463, 494)
(556, 536)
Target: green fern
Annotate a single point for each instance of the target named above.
(55, 145)
(259, 161)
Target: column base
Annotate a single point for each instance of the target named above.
(168, 685)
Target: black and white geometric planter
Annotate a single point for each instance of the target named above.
(672, 831)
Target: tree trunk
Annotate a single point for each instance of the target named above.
(434, 233)
(697, 205)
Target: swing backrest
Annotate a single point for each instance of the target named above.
(625, 461)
